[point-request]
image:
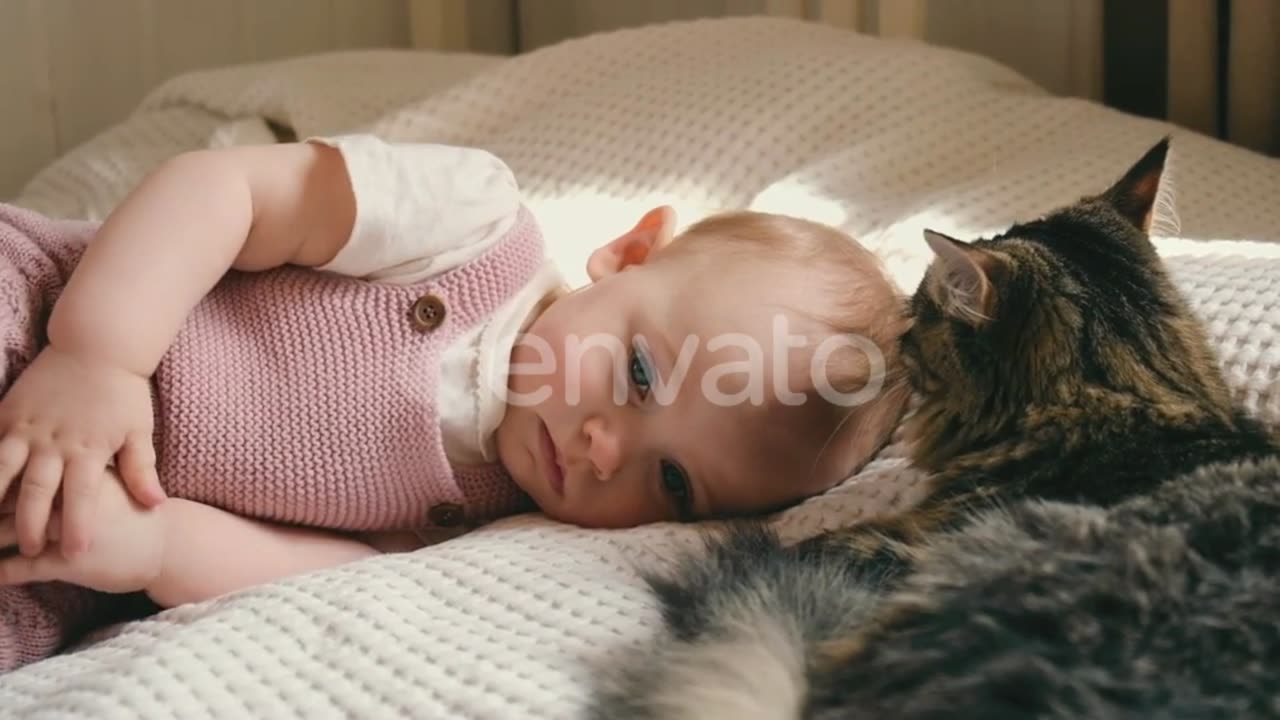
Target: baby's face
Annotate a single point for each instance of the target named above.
(653, 394)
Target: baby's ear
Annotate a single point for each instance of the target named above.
(654, 232)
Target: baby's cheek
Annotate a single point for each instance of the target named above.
(511, 453)
(535, 372)
(620, 506)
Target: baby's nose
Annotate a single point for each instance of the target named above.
(604, 448)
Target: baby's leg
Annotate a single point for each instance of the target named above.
(40, 619)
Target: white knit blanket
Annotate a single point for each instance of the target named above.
(881, 138)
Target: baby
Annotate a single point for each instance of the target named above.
(281, 358)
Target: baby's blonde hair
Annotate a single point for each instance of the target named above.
(860, 300)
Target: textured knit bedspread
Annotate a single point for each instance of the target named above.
(881, 138)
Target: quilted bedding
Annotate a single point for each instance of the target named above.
(879, 137)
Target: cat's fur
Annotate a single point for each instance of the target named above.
(1101, 538)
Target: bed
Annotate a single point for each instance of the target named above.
(879, 137)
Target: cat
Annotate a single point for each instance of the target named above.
(1100, 538)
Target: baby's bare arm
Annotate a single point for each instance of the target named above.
(181, 551)
(84, 400)
(209, 552)
(178, 233)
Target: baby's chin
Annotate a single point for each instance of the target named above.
(553, 508)
(555, 514)
(548, 503)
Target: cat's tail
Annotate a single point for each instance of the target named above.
(742, 624)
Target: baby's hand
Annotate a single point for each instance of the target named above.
(61, 423)
(127, 554)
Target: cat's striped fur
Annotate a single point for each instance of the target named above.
(1101, 538)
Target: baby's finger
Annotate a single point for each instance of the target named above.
(9, 503)
(19, 569)
(13, 456)
(136, 462)
(9, 524)
(8, 532)
(35, 499)
(81, 486)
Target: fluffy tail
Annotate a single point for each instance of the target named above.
(742, 624)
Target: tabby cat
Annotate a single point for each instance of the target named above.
(1100, 539)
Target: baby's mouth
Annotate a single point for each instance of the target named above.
(550, 459)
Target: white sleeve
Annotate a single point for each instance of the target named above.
(421, 209)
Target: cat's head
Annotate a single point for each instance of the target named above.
(1068, 307)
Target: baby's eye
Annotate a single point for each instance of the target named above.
(676, 485)
(639, 372)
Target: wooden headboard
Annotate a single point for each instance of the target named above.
(69, 68)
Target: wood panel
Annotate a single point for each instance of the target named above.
(1135, 48)
(97, 57)
(902, 18)
(840, 13)
(1192, 73)
(1055, 43)
(543, 22)
(70, 68)
(28, 138)
(1253, 75)
(442, 23)
(370, 23)
(273, 29)
(182, 35)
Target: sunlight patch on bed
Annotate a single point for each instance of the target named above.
(797, 198)
(1174, 247)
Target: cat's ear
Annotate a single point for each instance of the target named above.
(1134, 195)
(964, 280)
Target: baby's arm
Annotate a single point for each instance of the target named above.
(178, 233)
(84, 400)
(182, 551)
(209, 552)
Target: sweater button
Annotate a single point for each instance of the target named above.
(445, 514)
(427, 313)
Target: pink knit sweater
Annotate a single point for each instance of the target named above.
(294, 395)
